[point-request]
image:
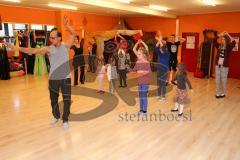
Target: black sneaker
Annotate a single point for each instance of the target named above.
(218, 96)
(174, 110)
(180, 114)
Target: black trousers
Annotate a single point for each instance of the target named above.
(123, 77)
(91, 65)
(54, 88)
(82, 75)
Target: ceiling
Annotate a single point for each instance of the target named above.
(138, 7)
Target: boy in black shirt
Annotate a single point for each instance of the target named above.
(173, 44)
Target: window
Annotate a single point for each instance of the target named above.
(20, 26)
(36, 27)
(49, 28)
(10, 30)
(2, 32)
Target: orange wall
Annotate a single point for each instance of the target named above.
(220, 22)
(27, 15)
(41, 16)
(94, 23)
(193, 23)
(151, 24)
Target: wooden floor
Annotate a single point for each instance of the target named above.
(98, 132)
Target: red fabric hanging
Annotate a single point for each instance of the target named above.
(137, 36)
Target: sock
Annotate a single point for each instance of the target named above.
(181, 109)
(176, 106)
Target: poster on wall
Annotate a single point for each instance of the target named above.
(236, 39)
(190, 42)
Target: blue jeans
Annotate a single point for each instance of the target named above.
(143, 91)
(221, 75)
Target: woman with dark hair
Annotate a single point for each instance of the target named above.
(92, 55)
(4, 63)
(78, 59)
(224, 44)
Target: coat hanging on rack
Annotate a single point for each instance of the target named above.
(4, 63)
(40, 67)
(16, 43)
(207, 52)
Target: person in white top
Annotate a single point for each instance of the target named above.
(112, 75)
(101, 71)
(123, 60)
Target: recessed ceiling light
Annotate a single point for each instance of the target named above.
(14, 1)
(124, 1)
(63, 6)
(157, 7)
(209, 2)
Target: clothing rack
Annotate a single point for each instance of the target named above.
(6, 37)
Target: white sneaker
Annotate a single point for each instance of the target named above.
(65, 125)
(53, 122)
(162, 99)
(140, 113)
(144, 114)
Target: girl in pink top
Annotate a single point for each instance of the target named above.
(142, 67)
